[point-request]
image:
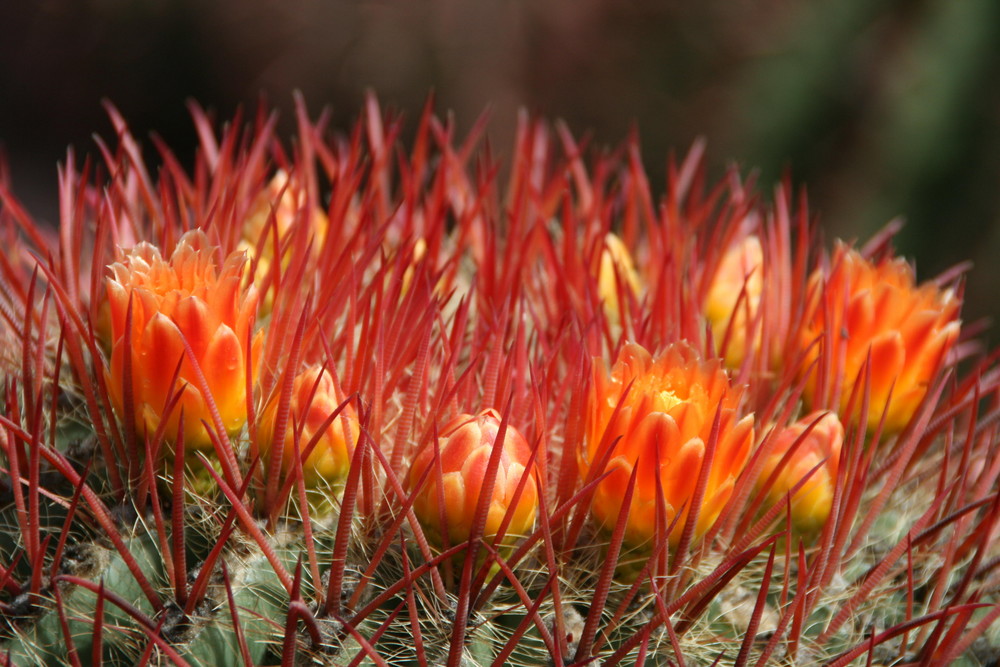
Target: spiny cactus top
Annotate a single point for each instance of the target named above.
(543, 413)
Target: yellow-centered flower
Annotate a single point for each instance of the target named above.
(663, 426)
(186, 298)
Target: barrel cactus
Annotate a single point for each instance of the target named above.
(354, 401)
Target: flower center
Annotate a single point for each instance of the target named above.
(667, 400)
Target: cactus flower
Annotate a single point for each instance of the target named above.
(186, 298)
(734, 297)
(284, 198)
(811, 504)
(466, 444)
(616, 266)
(315, 396)
(876, 307)
(664, 425)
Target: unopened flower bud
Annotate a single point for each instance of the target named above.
(466, 444)
(811, 504)
(315, 396)
(616, 267)
(734, 298)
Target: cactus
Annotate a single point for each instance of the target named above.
(228, 430)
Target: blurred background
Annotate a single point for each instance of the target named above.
(883, 108)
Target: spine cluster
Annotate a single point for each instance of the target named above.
(357, 401)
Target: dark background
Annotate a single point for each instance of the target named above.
(884, 108)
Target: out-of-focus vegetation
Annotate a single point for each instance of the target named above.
(883, 107)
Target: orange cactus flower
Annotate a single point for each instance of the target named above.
(663, 426)
(465, 444)
(864, 307)
(186, 298)
(734, 298)
(811, 504)
(315, 396)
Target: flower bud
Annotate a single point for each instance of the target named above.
(811, 504)
(285, 199)
(734, 298)
(616, 267)
(466, 444)
(315, 396)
